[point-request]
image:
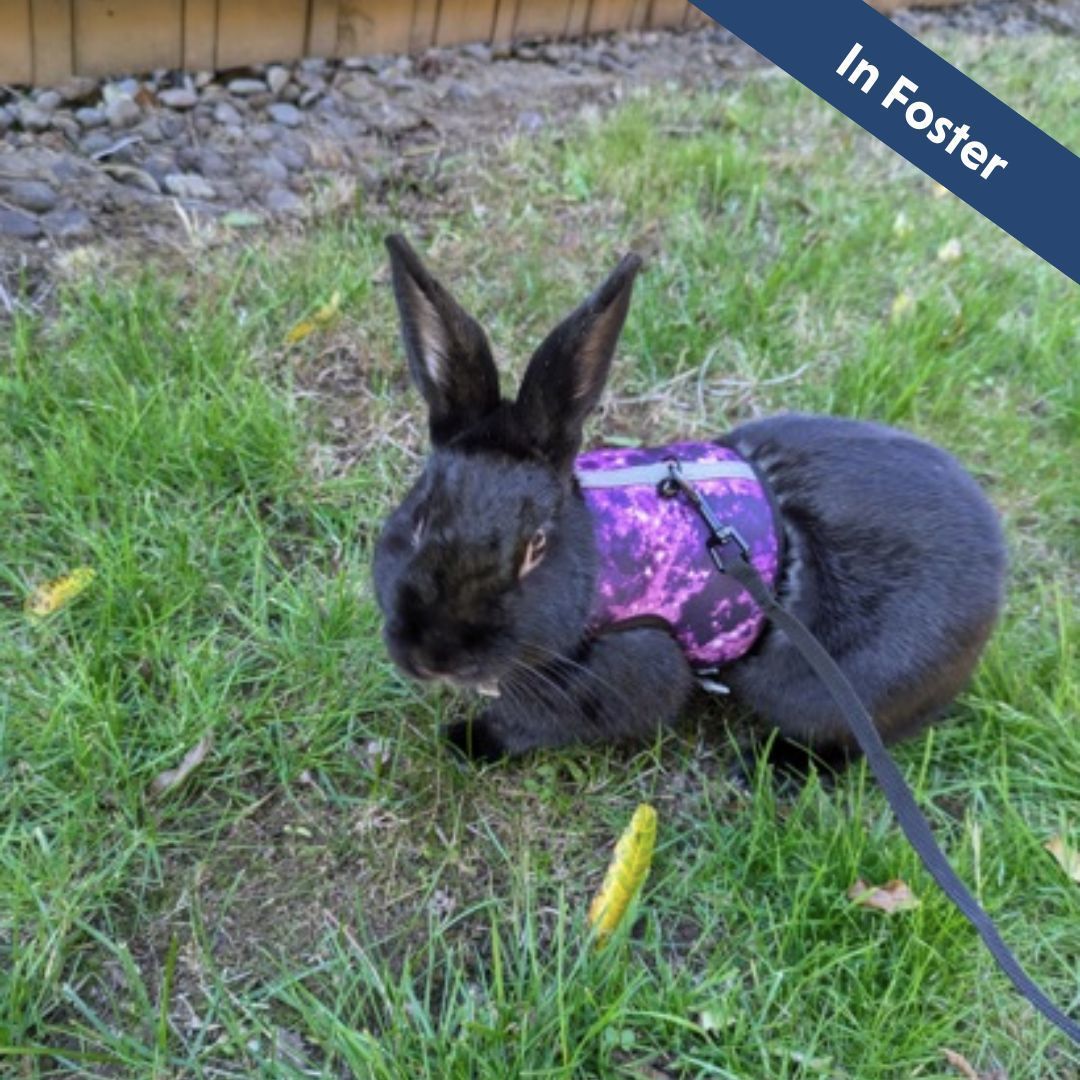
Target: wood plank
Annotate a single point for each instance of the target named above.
(257, 31)
(422, 31)
(461, 21)
(367, 26)
(322, 29)
(50, 28)
(506, 13)
(609, 15)
(639, 17)
(543, 19)
(697, 17)
(16, 54)
(667, 13)
(122, 35)
(577, 19)
(200, 35)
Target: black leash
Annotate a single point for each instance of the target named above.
(737, 564)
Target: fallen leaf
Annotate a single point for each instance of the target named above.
(903, 305)
(1068, 858)
(968, 1071)
(242, 219)
(893, 896)
(960, 1064)
(322, 318)
(950, 251)
(58, 593)
(628, 870)
(172, 778)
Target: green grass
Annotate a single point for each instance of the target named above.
(330, 893)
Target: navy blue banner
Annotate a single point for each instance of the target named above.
(920, 105)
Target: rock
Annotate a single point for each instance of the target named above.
(308, 98)
(479, 52)
(49, 100)
(246, 87)
(460, 92)
(313, 65)
(189, 186)
(172, 125)
(392, 121)
(283, 113)
(179, 98)
(224, 113)
(373, 64)
(150, 129)
(277, 78)
(530, 121)
(77, 89)
(33, 117)
(132, 177)
(7, 118)
(65, 122)
(159, 165)
(95, 142)
(122, 112)
(279, 200)
(19, 225)
(203, 79)
(311, 80)
(294, 158)
(291, 92)
(392, 80)
(208, 161)
(125, 88)
(89, 117)
(271, 168)
(69, 224)
(30, 195)
(261, 134)
(355, 90)
(67, 169)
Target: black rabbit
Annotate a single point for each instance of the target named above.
(488, 573)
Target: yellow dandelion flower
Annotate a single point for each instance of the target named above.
(626, 874)
(58, 593)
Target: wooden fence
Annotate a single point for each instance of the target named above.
(45, 41)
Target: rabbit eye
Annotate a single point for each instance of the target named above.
(534, 553)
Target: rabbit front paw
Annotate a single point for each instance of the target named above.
(477, 739)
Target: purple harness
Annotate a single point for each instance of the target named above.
(653, 561)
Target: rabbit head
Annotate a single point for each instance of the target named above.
(489, 562)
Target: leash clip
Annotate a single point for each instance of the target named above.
(720, 535)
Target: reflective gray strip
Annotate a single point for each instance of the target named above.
(634, 475)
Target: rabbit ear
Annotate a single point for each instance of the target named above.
(567, 373)
(448, 353)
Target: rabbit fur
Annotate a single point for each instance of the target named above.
(484, 573)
